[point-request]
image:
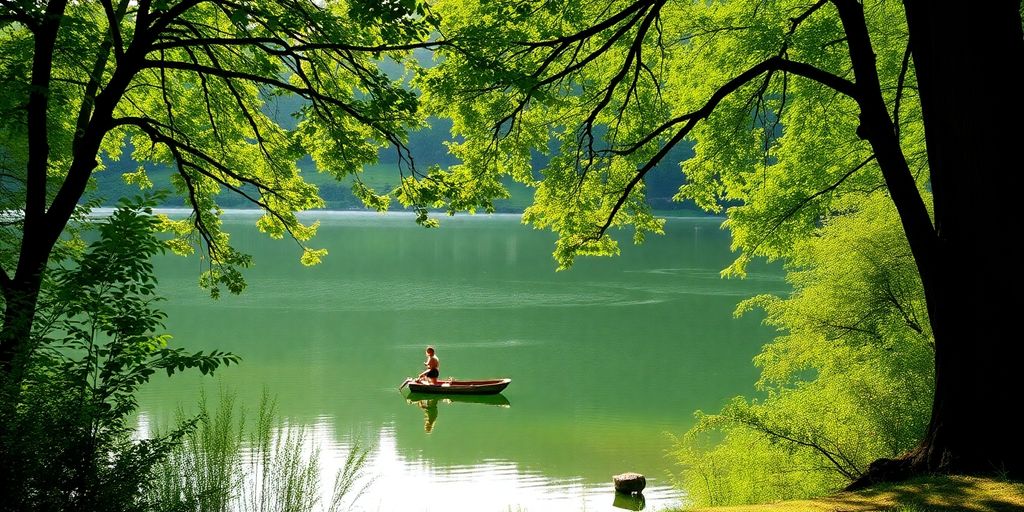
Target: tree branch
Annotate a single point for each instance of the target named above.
(150, 128)
(113, 38)
(179, 150)
(114, 23)
(761, 427)
(14, 12)
(306, 92)
(165, 18)
(591, 30)
(633, 57)
(877, 128)
(795, 22)
(569, 69)
(899, 90)
(792, 211)
(808, 71)
(691, 119)
(38, 134)
(287, 47)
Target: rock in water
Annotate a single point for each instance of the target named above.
(629, 483)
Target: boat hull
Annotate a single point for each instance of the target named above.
(462, 387)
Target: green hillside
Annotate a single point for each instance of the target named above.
(427, 147)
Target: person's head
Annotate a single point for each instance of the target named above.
(430, 351)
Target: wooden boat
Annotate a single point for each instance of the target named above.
(461, 387)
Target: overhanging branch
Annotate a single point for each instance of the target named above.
(773, 64)
(286, 47)
(181, 151)
(900, 82)
(592, 30)
(804, 202)
(114, 25)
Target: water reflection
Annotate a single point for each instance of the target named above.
(429, 402)
(430, 411)
(629, 501)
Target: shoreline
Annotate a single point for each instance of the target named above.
(314, 214)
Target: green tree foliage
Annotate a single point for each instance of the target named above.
(230, 95)
(615, 86)
(849, 380)
(762, 93)
(798, 111)
(68, 444)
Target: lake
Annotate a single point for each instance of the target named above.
(607, 360)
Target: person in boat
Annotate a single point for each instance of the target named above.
(430, 375)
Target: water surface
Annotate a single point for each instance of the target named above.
(606, 359)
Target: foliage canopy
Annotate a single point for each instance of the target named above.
(762, 92)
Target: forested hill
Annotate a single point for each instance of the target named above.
(427, 147)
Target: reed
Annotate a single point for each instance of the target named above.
(223, 464)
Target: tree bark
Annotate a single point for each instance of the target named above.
(22, 292)
(43, 226)
(966, 59)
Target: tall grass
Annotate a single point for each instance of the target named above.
(221, 465)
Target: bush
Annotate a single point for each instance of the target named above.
(849, 381)
(64, 437)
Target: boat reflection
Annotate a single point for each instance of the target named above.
(428, 402)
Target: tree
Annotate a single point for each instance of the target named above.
(68, 444)
(797, 110)
(848, 380)
(192, 84)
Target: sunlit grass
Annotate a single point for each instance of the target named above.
(927, 494)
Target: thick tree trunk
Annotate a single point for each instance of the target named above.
(966, 58)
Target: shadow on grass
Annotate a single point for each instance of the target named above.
(926, 494)
(941, 494)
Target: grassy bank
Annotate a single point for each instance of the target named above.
(919, 495)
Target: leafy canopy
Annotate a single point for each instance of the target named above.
(207, 87)
(760, 91)
(765, 95)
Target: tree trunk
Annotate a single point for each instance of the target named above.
(19, 310)
(22, 292)
(43, 227)
(965, 58)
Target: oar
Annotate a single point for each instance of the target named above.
(404, 383)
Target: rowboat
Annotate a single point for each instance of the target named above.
(461, 387)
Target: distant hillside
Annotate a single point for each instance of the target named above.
(427, 147)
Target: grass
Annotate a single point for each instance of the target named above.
(926, 494)
(222, 465)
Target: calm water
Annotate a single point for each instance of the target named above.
(607, 359)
